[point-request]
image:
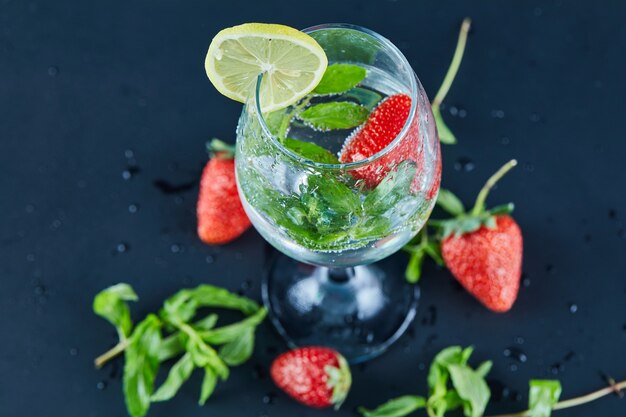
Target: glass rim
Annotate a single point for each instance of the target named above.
(414, 91)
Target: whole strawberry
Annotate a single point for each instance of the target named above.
(382, 126)
(314, 376)
(221, 217)
(483, 248)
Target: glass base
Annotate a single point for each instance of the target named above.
(358, 311)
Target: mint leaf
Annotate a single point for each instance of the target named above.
(110, 304)
(445, 134)
(542, 397)
(472, 389)
(397, 407)
(142, 365)
(335, 115)
(180, 372)
(208, 384)
(238, 350)
(232, 332)
(278, 121)
(339, 78)
(310, 151)
(367, 98)
(450, 203)
(393, 188)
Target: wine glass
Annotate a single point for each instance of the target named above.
(332, 221)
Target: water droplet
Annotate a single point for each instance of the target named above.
(209, 259)
(53, 71)
(129, 154)
(369, 337)
(421, 366)
(30, 257)
(126, 174)
(133, 208)
(56, 223)
(526, 282)
(505, 140)
(101, 385)
(453, 111)
(73, 351)
(142, 102)
(513, 367)
(537, 11)
(29, 208)
(121, 247)
(612, 214)
(246, 285)
(529, 167)
(497, 114)
(464, 164)
(556, 368)
(40, 290)
(176, 248)
(168, 188)
(462, 113)
(269, 398)
(519, 340)
(550, 269)
(431, 316)
(515, 353)
(534, 117)
(573, 308)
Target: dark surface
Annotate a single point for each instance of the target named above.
(82, 82)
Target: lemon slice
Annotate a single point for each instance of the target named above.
(292, 62)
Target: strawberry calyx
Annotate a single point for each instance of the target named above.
(220, 149)
(464, 222)
(339, 381)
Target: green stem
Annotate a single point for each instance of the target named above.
(573, 402)
(111, 353)
(454, 65)
(479, 206)
(284, 125)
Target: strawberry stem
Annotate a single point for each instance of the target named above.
(479, 206)
(572, 402)
(221, 149)
(455, 64)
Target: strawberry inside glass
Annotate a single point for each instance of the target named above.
(342, 179)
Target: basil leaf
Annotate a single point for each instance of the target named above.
(484, 368)
(397, 407)
(207, 323)
(231, 332)
(180, 372)
(204, 355)
(445, 134)
(414, 267)
(239, 350)
(542, 397)
(339, 78)
(335, 115)
(393, 188)
(450, 203)
(110, 304)
(311, 151)
(142, 365)
(208, 384)
(472, 388)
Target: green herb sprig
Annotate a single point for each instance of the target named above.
(453, 384)
(176, 332)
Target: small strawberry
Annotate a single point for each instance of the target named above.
(315, 376)
(221, 217)
(483, 248)
(381, 128)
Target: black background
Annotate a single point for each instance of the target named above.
(84, 82)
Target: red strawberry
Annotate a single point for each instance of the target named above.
(221, 217)
(483, 250)
(315, 376)
(381, 128)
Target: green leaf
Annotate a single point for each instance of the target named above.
(311, 151)
(450, 203)
(393, 188)
(397, 407)
(433, 249)
(142, 365)
(484, 368)
(239, 350)
(542, 397)
(208, 384)
(335, 115)
(110, 304)
(472, 388)
(207, 323)
(278, 121)
(204, 355)
(231, 332)
(339, 78)
(414, 267)
(180, 372)
(445, 134)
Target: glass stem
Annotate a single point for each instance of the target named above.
(340, 275)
